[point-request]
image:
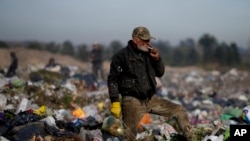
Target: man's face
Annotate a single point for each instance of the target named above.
(142, 44)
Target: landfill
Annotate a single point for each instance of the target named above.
(67, 104)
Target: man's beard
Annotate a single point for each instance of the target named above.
(143, 48)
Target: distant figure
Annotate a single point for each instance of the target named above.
(53, 66)
(56, 67)
(13, 66)
(51, 63)
(97, 60)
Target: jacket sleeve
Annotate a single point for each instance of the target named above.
(159, 67)
(113, 78)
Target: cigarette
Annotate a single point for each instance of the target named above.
(150, 48)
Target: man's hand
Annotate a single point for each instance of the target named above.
(154, 53)
(116, 109)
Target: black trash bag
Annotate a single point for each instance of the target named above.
(177, 137)
(11, 120)
(24, 117)
(56, 132)
(35, 77)
(3, 128)
(91, 123)
(74, 126)
(26, 132)
(61, 124)
(5, 118)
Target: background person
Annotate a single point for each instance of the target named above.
(96, 58)
(52, 63)
(13, 65)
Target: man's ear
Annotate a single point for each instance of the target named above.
(135, 40)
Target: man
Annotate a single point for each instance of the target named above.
(13, 65)
(96, 60)
(52, 63)
(132, 75)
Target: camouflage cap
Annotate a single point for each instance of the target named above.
(142, 33)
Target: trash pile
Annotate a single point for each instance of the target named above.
(67, 104)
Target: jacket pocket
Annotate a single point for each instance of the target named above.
(127, 83)
(129, 86)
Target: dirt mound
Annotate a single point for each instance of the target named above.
(28, 57)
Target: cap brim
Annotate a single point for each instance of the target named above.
(148, 38)
(153, 38)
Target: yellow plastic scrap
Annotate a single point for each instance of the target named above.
(40, 111)
(78, 113)
(100, 105)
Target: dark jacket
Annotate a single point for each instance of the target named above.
(13, 66)
(96, 56)
(132, 73)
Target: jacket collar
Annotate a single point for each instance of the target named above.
(133, 49)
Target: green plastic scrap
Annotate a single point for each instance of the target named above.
(234, 112)
(226, 135)
(225, 117)
(17, 83)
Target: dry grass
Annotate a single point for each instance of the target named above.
(35, 58)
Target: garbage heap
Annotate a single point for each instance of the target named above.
(68, 104)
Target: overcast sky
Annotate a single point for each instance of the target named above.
(87, 21)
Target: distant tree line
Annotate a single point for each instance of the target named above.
(207, 50)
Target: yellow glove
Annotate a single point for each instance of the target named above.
(116, 109)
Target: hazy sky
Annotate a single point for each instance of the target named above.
(87, 21)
